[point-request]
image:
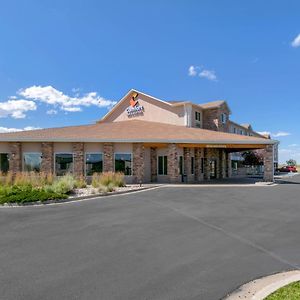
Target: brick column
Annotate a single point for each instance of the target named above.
(108, 157)
(187, 162)
(197, 164)
(153, 163)
(207, 156)
(269, 163)
(228, 165)
(173, 163)
(138, 162)
(78, 152)
(222, 164)
(47, 165)
(15, 158)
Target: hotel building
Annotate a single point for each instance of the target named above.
(148, 139)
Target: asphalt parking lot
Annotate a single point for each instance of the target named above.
(167, 243)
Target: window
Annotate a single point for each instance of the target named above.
(234, 130)
(162, 165)
(63, 163)
(123, 163)
(223, 118)
(202, 165)
(197, 116)
(180, 165)
(4, 163)
(32, 162)
(192, 165)
(93, 163)
(241, 132)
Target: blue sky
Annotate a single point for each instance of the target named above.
(59, 59)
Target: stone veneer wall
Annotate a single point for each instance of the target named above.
(187, 163)
(153, 163)
(269, 163)
(199, 154)
(47, 165)
(138, 162)
(15, 158)
(108, 157)
(173, 171)
(212, 119)
(222, 163)
(78, 152)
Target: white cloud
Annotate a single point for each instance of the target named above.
(264, 132)
(296, 41)
(192, 71)
(208, 74)
(72, 109)
(201, 72)
(6, 129)
(51, 112)
(277, 134)
(281, 133)
(293, 145)
(52, 96)
(16, 108)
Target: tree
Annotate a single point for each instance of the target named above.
(253, 158)
(291, 162)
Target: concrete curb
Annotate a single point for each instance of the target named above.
(260, 288)
(75, 199)
(258, 184)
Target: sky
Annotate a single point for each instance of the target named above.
(67, 62)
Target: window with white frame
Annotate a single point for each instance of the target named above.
(123, 163)
(223, 118)
(63, 163)
(162, 162)
(32, 161)
(4, 162)
(197, 116)
(93, 163)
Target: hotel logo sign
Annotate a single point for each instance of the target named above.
(134, 109)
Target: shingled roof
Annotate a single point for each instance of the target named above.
(131, 131)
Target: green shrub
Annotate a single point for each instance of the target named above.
(106, 188)
(64, 184)
(80, 183)
(23, 194)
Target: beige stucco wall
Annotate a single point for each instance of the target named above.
(62, 147)
(4, 147)
(93, 147)
(31, 147)
(123, 148)
(154, 111)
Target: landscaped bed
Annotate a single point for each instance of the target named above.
(25, 187)
(288, 292)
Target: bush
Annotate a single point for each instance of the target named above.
(17, 194)
(80, 183)
(63, 185)
(108, 179)
(26, 179)
(106, 188)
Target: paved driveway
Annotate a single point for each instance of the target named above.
(168, 243)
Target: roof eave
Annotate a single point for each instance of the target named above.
(176, 141)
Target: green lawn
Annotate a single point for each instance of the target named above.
(288, 292)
